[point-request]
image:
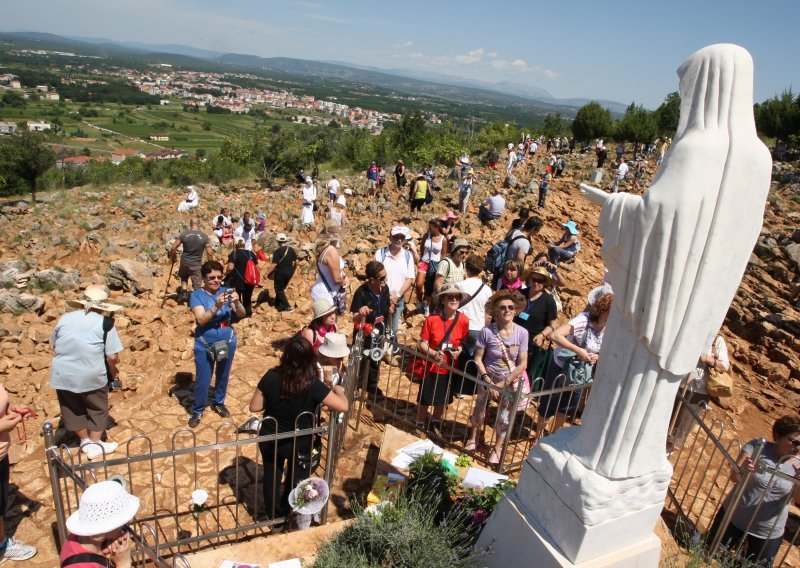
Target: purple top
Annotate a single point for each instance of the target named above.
(492, 356)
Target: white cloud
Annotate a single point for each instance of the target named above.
(519, 64)
(471, 57)
(417, 55)
(492, 54)
(324, 18)
(404, 45)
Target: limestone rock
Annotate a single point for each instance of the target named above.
(95, 224)
(10, 271)
(510, 182)
(63, 279)
(793, 252)
(130, 275)
(13, 302)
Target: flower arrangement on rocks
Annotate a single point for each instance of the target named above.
(198, 501)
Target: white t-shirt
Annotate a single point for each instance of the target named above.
(475, 310)
(398, 268)
(333, 186)
(622, 171)
(248, 236)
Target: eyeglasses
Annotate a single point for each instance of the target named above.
(538, 281)
(213, 277)
(398, 238)
(380, 278)
(794, 442)
(511, 308)
(451, 297)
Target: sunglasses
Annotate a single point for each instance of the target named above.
(211, 277)
(451, 297)
(381, 278)
(539, 280)
(507, 308)
(794, 442)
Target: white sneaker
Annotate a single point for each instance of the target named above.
(17, 551)
(94, 450)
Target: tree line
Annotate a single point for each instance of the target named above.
(271, 153)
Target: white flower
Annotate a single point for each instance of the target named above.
(199, 497)
(312, 493)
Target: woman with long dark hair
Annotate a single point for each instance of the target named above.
(289, 395)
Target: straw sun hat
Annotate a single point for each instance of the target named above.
(104, 506)
(94, 297)
(322, 307)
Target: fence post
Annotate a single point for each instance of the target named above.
(734, 500)
(330, 464)
(58, 501)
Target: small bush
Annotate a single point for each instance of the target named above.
(405, 534)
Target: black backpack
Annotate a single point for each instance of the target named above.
(496, 257)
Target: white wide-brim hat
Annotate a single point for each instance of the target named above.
(599, 292)
(334, 346)
(94, 297)
(104, 506)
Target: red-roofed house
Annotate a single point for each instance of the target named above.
(119, 156)
(74, 161)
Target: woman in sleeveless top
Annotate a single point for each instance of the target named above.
(330, 268)
(322, 323)
(434, 249)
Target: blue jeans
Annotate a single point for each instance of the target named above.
(617, 179)
(557, 254)
(204, 368)
(398, 313)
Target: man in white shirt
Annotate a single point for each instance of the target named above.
(246, 232)
(622, 171)
(333, 188)
(400, 271)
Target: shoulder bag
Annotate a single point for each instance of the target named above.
(271, 274)
(418, 367)
(522, 381)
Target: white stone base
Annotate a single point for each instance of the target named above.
(514, 539)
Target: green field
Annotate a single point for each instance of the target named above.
(185, 129)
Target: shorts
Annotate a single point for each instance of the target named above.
(416, 205)
(423, 266)
(332, 196)
(4, 472)
(187, 271)
(84, 409)
(435, 390)
(371, 183)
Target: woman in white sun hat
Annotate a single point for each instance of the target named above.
(86, 347)
(97, 529)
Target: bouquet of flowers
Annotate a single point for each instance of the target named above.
(309, 496)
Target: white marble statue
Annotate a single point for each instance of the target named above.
(675, 259)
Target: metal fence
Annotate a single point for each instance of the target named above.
(230, 470)
(514, 432)
(704, 497)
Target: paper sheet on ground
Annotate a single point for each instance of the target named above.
(234, 564)
(479, 478)
(411, 452)
(291, 563)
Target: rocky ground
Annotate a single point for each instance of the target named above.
(119, 236)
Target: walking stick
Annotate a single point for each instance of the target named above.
(169, 278)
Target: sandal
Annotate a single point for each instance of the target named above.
(470, 446)
(495, 461)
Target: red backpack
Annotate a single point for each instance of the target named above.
(252, 277)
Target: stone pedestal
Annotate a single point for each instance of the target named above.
(597, 177)
(515, 539)
(563, 514)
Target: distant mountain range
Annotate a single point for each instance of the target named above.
(405, 81)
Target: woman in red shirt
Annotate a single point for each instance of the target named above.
(440, 339)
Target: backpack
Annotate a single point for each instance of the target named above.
(496, 257)
(384, 250)
(252, 277)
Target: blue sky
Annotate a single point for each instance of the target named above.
(580, 48)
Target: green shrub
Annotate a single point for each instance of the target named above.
(405, 534)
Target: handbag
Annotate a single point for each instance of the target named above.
(271, 274)
(719, 384)
(219, 350)
(418, 367)
(577, 372)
